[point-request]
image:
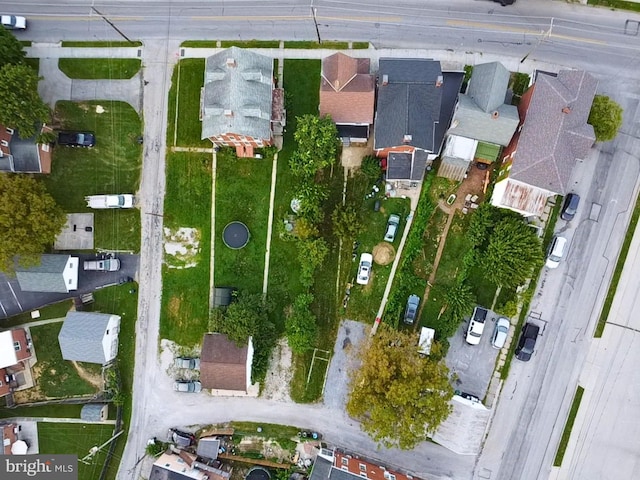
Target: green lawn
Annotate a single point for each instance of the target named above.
(314, 44)
(242, 194)
(566, 433)
(186, 84)
(57, 310)
(185, 299)
(250, 43)
(100, 44)
(112, 166)
(61, 411)
(620, 4)
(76, 439)
(58, 378)
(99, 68)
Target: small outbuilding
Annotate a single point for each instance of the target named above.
(89, 337)
(94, 412)
(208, 448)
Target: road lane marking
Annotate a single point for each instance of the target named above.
(15, 296)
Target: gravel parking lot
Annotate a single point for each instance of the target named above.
(473, 365)
(351, 336)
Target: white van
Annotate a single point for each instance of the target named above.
(557, 250)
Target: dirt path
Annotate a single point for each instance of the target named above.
(92, 378)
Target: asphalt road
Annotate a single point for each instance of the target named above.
(536, 397)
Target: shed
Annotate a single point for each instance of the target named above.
(426, 339)
(89, 337)
(94, 412)
(55, 273)
(208, 447)
(222, 296)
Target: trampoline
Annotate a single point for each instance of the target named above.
(235, 235)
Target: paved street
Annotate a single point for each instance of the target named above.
(531, 34)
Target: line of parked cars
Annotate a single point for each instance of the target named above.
(184, 385)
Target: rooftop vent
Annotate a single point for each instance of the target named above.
(566, 110)
(439, 81)
(407, 138)
(231, 62)
(385, 80)
(228, 113)
(495, 114)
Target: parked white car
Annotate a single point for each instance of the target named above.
(13, 22)
(556, 252)
(364, 269)
(124, 200)
(476, 325)
(500, 333)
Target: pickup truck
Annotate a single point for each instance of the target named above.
(103, 265)
(110, 201)
(76, 139)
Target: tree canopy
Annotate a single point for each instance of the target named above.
(22, 107)
(30, 220)
(398, 396)
(300, 324)
(346, 222)
(317, 145)
(606, 118)
(241, 319)
(513, 252)
(11, 51)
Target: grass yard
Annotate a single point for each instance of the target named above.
(57, 377)
(613, 4)
(112, 166)
(313, 44)
(250, 43)
(54, 411)
(76, 438)
(185, 128)
(100, 44)
(566, 433)
(56, 310)
(99, 68)
(242, 193)
(185, 299)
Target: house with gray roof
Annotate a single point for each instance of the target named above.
(482, 123)
(89, 337)
(240, 105)
(24, 155)
(554, 134)
(55, 273)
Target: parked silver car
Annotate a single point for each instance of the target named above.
(189, 363)
(190, 386)
(392, 228)
(500, 333)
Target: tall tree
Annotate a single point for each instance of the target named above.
(346, 222)
(300, 324)
(11, 51)
(606, 118)
(513, 252)
(22, 107)
(30, 220)
(317, 145)
(241, 319)
(399, 397)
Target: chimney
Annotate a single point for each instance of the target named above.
(385, 80)
(495, 114)
(566, 110)
(439, 81)
(231, 63)
(228, 113)
(407, 139)
(337, 85)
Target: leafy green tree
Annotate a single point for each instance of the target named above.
(22, 107)
(311, 196)
(241, 319)
(346, 222)
(311, 254)
(371, 167)
(300, 325)
(606, 118)
(399, 397)
(514, 251)
(305, 229)
(30, 220)
(11, 51)
(317, 145)
(459, 302)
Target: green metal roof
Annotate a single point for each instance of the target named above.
(487, 151)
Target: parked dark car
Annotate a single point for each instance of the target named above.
(527, 342)
(504, 3)
(76, 139)
(570, 206)
(180, 438)
(410, 312)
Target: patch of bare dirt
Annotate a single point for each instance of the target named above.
(384, 253)
(174, 306)
(276, 385)
(91, 377)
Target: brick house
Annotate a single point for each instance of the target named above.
(553, 135)
(15, 350)
(23, 155)
(241, 106)
(347, 95)
(225, 367)
(337, 465)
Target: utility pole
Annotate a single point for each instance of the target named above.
(546, 35)
(315, 22)
(94, 450)
(112, 25)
